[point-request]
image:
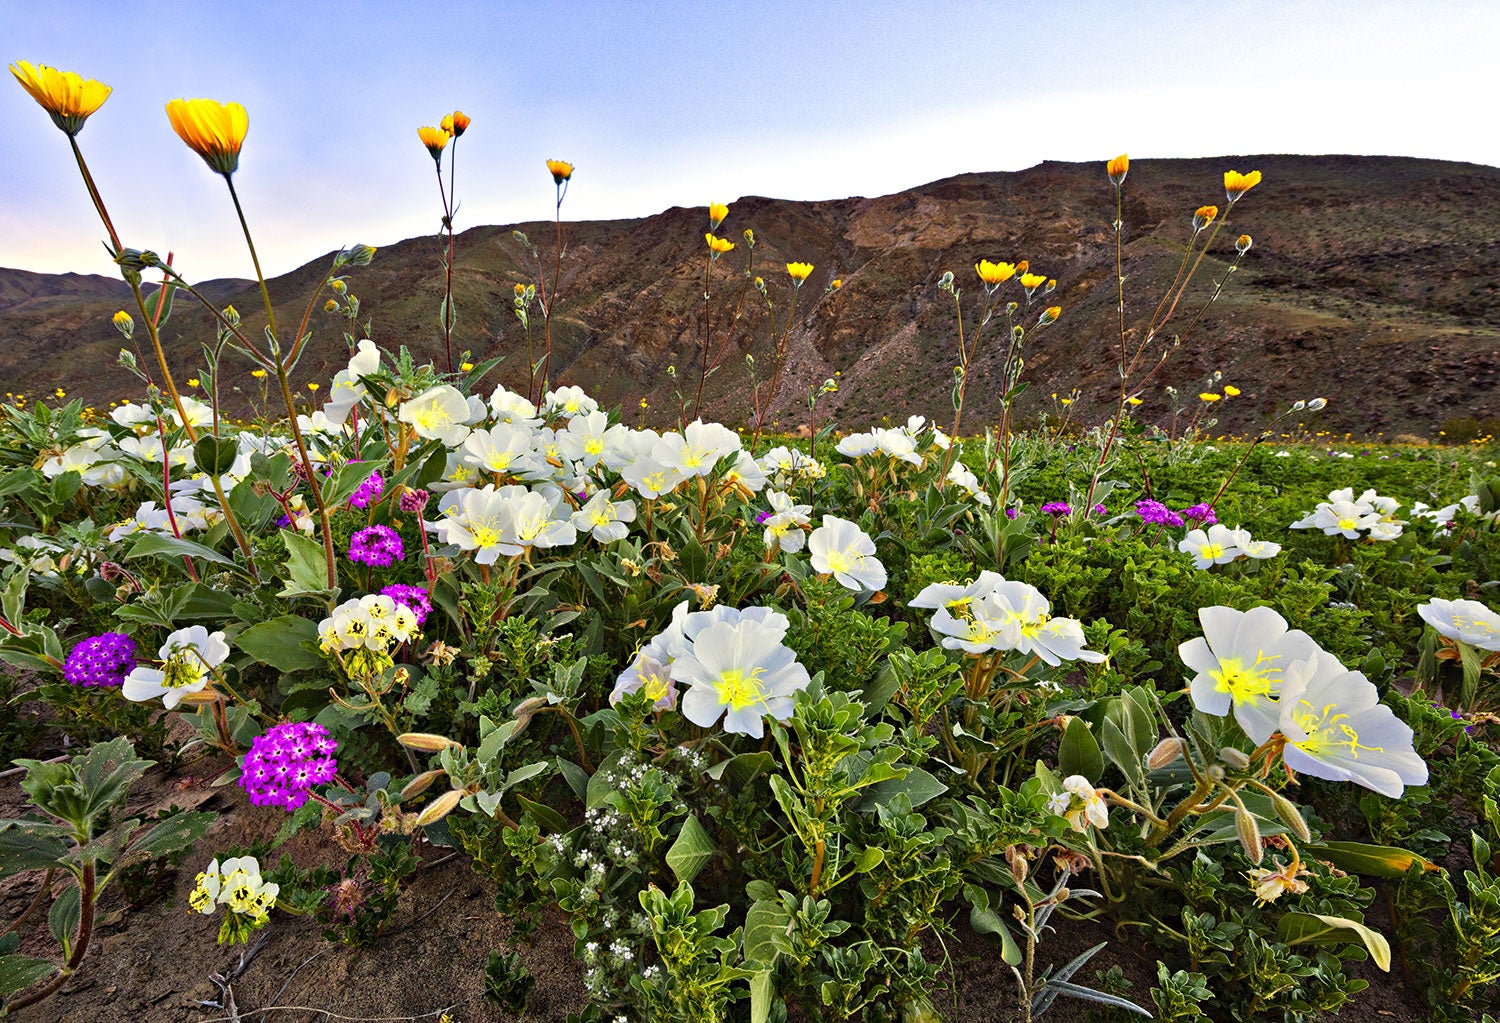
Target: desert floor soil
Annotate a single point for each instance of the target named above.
(157, 964)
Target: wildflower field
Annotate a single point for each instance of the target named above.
(938, 720)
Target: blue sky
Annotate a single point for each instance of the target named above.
(679, 104)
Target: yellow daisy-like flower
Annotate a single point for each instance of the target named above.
(1133, 401)
(561, 170)
(213, 130)
(467, 367)
(1117, 169)
(717, 211)
(435, 139)
(836, 284)
(718, 246)
(1203, 216)
(1231, 391)
(456, 123)
(1032, 281)
(257, 373)
(1209, 396)
(66, 95)
(994, 274)
(1237, 184)
(799, 271)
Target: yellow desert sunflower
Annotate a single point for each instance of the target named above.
(994, 274)
(1237, 184)
(561, 170)
(66, 95)
(799, 271)
(213, 130)
(1117, 169)
(435, 139)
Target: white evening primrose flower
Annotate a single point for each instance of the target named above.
(1252, 548)
(1036, 632)
(857, 445)
(188, 658)
(786, 522)
(346, 389)
(745, 474)
(650, 478)
(1214, 547)
(839, 547)
(199, 413)
(586, 437)
(1336, 728)
(1087, 806)
(651, 669)
(477, 520)
(963, 476)
(438, 413)
(1240, 662)
(504, 450)
(603, 518)
(898, 445)
(696, 450)
(510, 407)
(742, 671)
(1463, 621)
(569, 402)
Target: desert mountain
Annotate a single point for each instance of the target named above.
(1374, 281)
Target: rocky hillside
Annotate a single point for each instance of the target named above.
(1374, 281)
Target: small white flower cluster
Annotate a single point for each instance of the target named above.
(1220, 545)
(1345, 515)
(786, 467)
(734, 664)
(899, 445)
(236, 885)
(1279, 680)
(374, 622)
(993, 613)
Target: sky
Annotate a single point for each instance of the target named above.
(662, 104)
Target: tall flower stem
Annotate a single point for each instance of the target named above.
(280, 364)
(447, 310)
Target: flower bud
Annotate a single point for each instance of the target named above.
(1117, 169)
(1317, 404)
(443, 805)
(1234, 758)
(1249, 833)
(1242, 244)
(124, 324)
(1165, 752)
(1049, 315)
(420, 784)
(426, 741)
(1291, 817)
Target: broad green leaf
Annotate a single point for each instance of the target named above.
(764, 920)
(691, 851)
(548, 819)
(17, 973)
(1078, 753)
(1317, 929)
(62, 918)
(919, 785)
(1121, 752)
(215, 455)
(170, 548)
(280, 643)
(762, 994)
(306, 567)
(174, 834)
(985, 920)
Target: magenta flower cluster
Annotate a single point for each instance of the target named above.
(1203, 514)
(102, 660)
(378, 546)
(412, 501)
(368, 491)
(414, 598)
(1057, 508)
(1154, 513)
(284, 764)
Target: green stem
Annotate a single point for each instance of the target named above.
(265, 293)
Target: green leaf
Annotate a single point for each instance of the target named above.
(171, 835)
(1088, 994)
(1317, 929)
(346, 481)
(1122, 753)
(31, 845)
(919, 785)
(985, 920)
(1371, 860)
(62, 918)
(215, 455)
(691, 851)
(762, 994)
(170, 548)
(279, 642)
(306, 567)
(17, 973)
(1078, 753)
(548, 819)
(764, 920)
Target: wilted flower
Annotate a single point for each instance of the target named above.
(67, 96)
(213, 130)
(1086, 807)
(1270, 884)
(1117, 169)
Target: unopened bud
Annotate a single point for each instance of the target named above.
(1317, 404)
(1234, 758)
(1166, 752)
(441, 807)
(1249, 832)
(420, 784)
(1291, 817)
(427, 742)
(1242, 244)
(124, 324)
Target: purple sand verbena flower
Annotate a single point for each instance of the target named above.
(1057, 508)
(415, 598)
(1154, 513)
(377, 546)
(285, 763)
(1200, 513)
(412, 501)
(102, 660)
(368, 491)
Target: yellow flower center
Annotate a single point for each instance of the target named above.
(1346, 523)
(838, 561)
(182, 669)
(484, 536)
(1211, 551)
(738, 690)
(1327, 730)
(1246, 685)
